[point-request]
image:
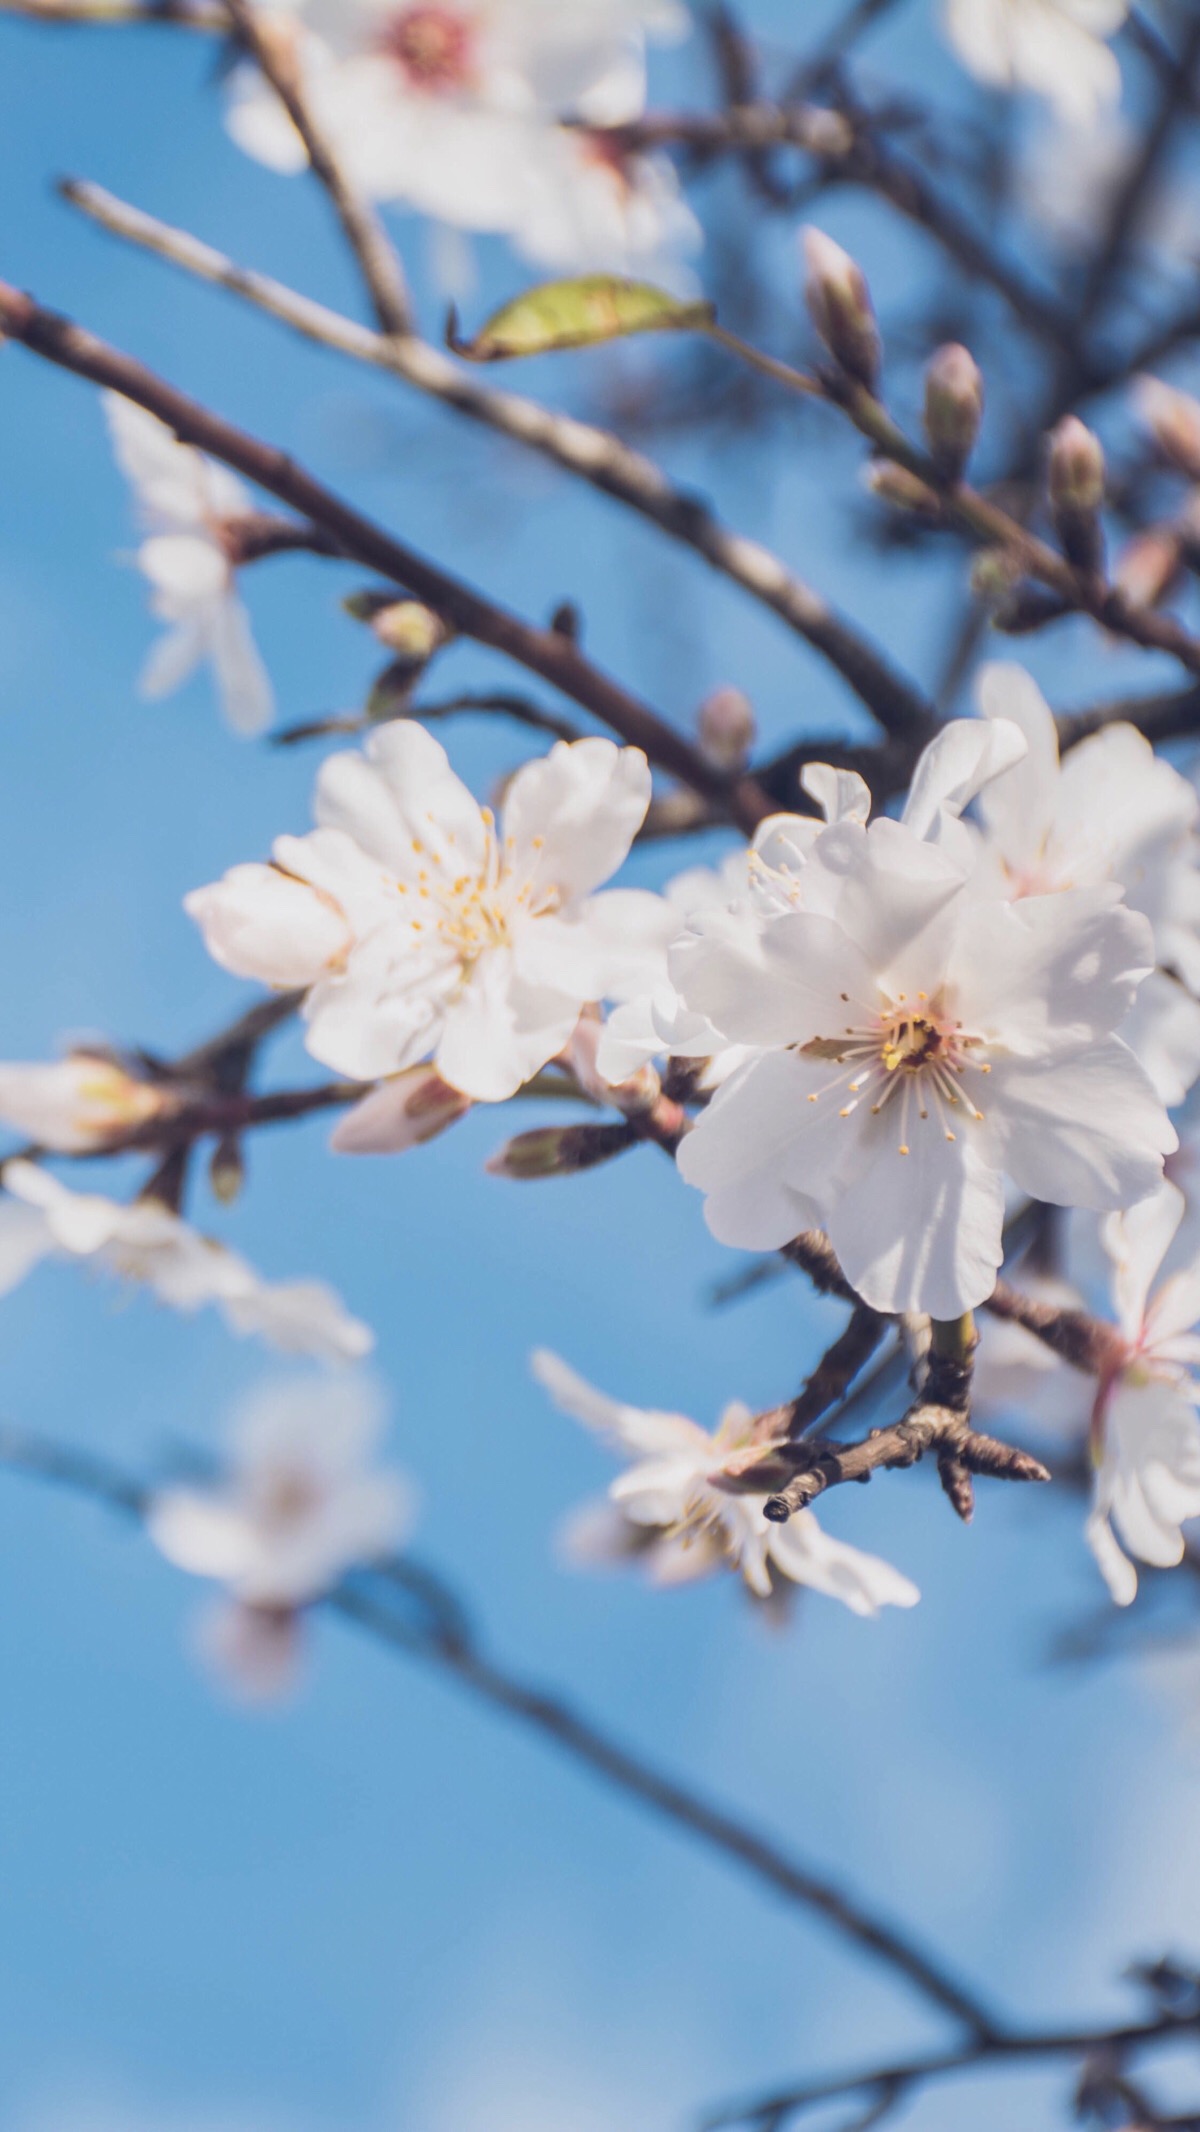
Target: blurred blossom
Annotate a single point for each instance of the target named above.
(1056, 48)
(191, 507)
(78, 1103)
(452, 106)
(145, 1242)
(670, 1510)
(302, 1504)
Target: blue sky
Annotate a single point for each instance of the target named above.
(380, 1907)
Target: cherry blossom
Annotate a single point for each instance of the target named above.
(672, 1510)
(1056, 48)
(301, 1506)
(190, 506)
(145, 1242)
(915, 1041)
(1112, 811)
(451, 106)
(420, 928)
(78, 1103)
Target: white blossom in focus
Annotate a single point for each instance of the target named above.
(915, 1042)
(452, 107)
(188, 503)
(1113, 810)
(145, 1242)
(686, 1524)
(302, 1504)
(78, 1103)
(1057, 48)
(422, 929)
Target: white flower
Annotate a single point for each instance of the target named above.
(1146, 1434)
(588, 205)
(77, 1103)
(301, 1505)
(188, 503)
(916, 1042)
(1056, 48)
(450, 106)
(1112, 811)
(688, 1524)
(420, 929)
(145, 1242)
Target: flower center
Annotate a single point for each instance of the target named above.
(912, 1051)
(472, 911)
(433, 46)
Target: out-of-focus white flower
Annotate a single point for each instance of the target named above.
(302, 1505)
(1145, 1430)
(188, 504)
(78, 1103)
(146, 1242)
(1057, 48)
(682, 1521)
(420, 928)
(452, 106)
(1112, 811)
(915, 1041)
(588, 204)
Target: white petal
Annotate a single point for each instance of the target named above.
(643, 1432)
(1137, 1242)
(786, 980)
(170, 660)
(573, 814)
(24, 1240)
(261, 923)
(402, 803)
(924, 1231)
(1017, 808)
(242, 679)
(963, 758)
(500, 1031)
(808, 1555)
(1083, 1130)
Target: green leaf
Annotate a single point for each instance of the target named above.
(577, 314)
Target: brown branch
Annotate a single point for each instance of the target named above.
(579, 448)
(445, 1641)
(543, 651)
(273, 52)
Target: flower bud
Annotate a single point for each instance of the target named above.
(1075, 483)
(1173, 421)
(894, 485)
(726, 728)
(560, 1150)
(402, 1112)
(839, 304)
(227, 1169)
(410, 630)
(80, 1102)
(1148, 566)
(953, 408)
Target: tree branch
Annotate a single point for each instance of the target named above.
(543, 651)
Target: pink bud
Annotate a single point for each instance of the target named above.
(1173, 420)
(953, 408)
(402, 1112)
(726, 728)
(839, 304)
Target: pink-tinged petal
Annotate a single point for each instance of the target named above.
(642, 1432)
(260, 923)
(254, 1651)
(1049, 971)
(1137, 1242)
(1018, 808)
(402, 803)
(956, 766)
(922, 1231)
(499, 1031)
(247, 697)
(787, 979)
(571, 816)
(400, 1114)
(1082, 1130)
